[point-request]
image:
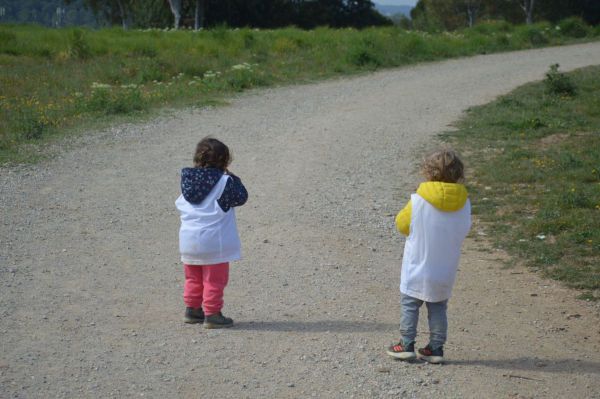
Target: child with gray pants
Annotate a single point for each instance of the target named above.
(436, 220)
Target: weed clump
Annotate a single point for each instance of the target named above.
(79, 47)
(558, 83)
(108, 100)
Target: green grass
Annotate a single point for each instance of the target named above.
(55, 81)
(534, 157)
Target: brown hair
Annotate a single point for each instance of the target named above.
(212, 153)
(444, 166)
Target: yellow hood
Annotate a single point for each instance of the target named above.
(448, 197)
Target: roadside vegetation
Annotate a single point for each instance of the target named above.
(535, 161)
(54, 81)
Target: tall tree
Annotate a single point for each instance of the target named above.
(176, 8)
(527, 7)
(471, 9)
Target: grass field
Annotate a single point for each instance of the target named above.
(535, 161)
(57, 81)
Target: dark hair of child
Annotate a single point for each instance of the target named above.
(212, 153)
(444, 166)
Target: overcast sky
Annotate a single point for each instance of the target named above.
(396, 2)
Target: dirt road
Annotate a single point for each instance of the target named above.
(91, 284)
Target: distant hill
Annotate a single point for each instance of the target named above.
(388, 11)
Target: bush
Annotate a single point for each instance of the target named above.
(151, 71)
(558, 83)
(491, 27)
(30, 124)
(535, 35)
(574, 27)
(79, 47)
(244, 76)
(365, 54)
(109, 100)
(8, 43)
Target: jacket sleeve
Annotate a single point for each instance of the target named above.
(403, 219)
(234, 194)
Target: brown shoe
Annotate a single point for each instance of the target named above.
(217, 320)
(193, 315)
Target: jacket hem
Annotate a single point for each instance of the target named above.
(207, 262)
(424, 298)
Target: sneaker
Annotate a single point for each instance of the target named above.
(402, 352)
(434, 356)
(217, 320)
(193, 315)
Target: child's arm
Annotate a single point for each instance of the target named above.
(235, 193)
(403, 219)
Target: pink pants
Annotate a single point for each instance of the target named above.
(204, 286)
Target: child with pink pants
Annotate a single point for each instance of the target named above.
(208, 236)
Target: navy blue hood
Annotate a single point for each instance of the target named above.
(196, 183)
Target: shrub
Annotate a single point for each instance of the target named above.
(283, 45)
(502, 41)
(6, 36)
(79, 47)
(414, 46)
(145, 51)
(248, 38)
(534, 35)
(151, 71)
(30, 124)
(558, 83)
(244, 76)
(574, 27)
(109, 100)
(365, 54)
(8, 43)
(491, 27)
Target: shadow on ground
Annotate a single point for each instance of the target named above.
(569, 366)
(316, 326)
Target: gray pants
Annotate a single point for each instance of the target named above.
(436, 315)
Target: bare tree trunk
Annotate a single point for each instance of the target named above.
(200, 12)
(527, 6)
(124, 16)
(470, 17)
(176, 10)
(473, 7)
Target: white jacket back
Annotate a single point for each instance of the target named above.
(208, 235)
(432, 250)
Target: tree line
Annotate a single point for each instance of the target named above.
(429, 15)
(197, 14)
(455, 14)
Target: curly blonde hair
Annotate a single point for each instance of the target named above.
(443, 165)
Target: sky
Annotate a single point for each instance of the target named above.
(396, 2)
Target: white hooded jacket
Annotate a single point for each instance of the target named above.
(440, 218)
(208, 235)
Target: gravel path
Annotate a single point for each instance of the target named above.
(91, 284)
